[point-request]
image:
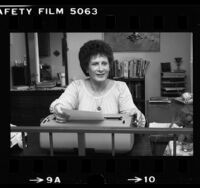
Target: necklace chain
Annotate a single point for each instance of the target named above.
(98, 104)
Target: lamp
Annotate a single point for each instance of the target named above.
(178, 61)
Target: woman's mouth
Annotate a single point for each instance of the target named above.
(100, 75)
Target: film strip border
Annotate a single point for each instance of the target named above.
(107, 18)
(78, 170)
(103, 171)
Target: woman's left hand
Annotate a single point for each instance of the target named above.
(140, 119)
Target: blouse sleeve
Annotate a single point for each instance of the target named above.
(127, 106)
(69, 98)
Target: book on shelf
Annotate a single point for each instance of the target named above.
(126, 69)
(138, 90)
(121, 65)
(134, 68)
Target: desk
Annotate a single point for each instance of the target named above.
(163, 113)
(141, 144)
(142, 147)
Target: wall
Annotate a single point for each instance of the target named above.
(171, 45)
(17, 49)
(55, 61)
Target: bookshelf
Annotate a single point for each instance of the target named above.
(132, 72)
(173, 84)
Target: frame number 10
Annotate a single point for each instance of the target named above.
(150, 179)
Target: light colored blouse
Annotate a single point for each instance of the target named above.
(117, 99)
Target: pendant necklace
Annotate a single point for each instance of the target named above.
(99, 100)
(98, 104)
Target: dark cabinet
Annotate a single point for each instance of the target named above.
(44, 44)
(28, 108)
(20, 75)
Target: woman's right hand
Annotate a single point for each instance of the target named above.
(59, 114)
(58, 109)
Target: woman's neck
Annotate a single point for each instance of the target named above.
(98, 86)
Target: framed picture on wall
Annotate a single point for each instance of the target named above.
(133, 42)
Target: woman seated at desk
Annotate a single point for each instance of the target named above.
(97, 92)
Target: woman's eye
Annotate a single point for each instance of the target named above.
(95, 63)
(104, 63)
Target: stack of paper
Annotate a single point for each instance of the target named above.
(82, 115)
(159, 125)
(163, 125)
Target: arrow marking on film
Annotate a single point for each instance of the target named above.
(37, 180)
(135, 179)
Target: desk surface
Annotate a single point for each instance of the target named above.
(165, 112)
(143, 146)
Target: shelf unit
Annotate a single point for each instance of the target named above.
(137, 89)
(173, 84)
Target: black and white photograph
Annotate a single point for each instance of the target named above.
(101, 94)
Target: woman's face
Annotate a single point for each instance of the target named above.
(99, 68)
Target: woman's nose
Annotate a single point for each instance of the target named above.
(100, 67)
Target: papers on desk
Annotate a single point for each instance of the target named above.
(16, 138)
(159, 125)
(163, 125)
(181, 100)
(82, 115)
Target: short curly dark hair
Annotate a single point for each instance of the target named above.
(93, 48)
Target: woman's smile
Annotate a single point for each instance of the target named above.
(100, 74)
